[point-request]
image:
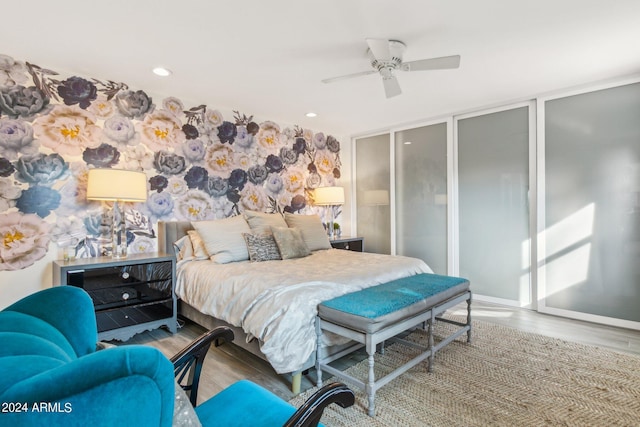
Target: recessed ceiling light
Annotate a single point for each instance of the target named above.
(407, 143)
(160, 71)
(311, 114)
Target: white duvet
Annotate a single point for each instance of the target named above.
(276, 301)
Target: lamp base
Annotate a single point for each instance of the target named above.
(119, 234)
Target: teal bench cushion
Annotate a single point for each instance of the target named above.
(372, 309)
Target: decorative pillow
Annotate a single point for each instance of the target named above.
(223, 238)
(262, 247)
(290, 242)
(313, 231)
(261, 222)
(197, 245)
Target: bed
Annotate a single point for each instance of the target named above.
(271, 303)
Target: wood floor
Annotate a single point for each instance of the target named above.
(226, 364)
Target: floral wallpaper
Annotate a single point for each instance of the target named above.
(200, 164)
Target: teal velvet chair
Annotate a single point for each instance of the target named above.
(51, 374)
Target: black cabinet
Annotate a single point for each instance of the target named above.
(129, 295)
(348, 243)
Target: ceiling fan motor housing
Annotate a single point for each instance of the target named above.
(386, 67)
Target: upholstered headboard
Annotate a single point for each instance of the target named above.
(169, 232)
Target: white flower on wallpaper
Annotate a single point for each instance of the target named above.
(200, 164)
(68, 130)
(16, 137)
(25, 240)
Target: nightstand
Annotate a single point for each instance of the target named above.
(348, 243)
(130, 295)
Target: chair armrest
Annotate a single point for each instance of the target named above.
(189, 360)
(308, 415)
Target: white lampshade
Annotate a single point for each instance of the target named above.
(376, 197)
(117, 184)
(328, 196)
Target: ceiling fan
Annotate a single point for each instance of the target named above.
(386, 57)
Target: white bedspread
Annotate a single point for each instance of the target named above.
(276, 301)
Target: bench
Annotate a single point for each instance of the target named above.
(374, 315)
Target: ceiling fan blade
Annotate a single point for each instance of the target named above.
(391, 86)
(348, 76)
(380, 49)
(441, 63)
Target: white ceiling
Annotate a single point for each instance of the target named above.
(267, 57)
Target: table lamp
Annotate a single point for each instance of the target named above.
(329, 196)
(119, 186)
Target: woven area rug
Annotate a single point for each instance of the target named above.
(505, 377)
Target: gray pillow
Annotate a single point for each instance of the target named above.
(262, 247)
(313, 232)
(290, 242)
(261, 222)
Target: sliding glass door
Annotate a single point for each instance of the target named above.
(493, 204)
(421, 194)
(590, 240)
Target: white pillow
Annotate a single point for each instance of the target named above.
(183, 248)
(223, 238)
(313, 232)
(261, 222)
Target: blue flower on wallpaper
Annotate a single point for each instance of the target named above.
(119, 129)
(217, 186)
(274, 163)
(98, 223)
(197, 177)
(23, 102)
(257, 174)
(194, 150)
(233, 196)
(39, 200)
(289, 155)
(190, 131)
(274, 183)
(134, 104)
(6, 168)
(76, 90)
(244, 138)
(158, 183)
(160, 205)
(333, 144)
(104, 156)
(227, 132)
(237, 179)
(41, 168)
(169, 163)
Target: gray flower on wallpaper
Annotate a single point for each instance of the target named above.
(16, 137)
(23, 102)
(120, 129)
(319, 141)
(12, 72)
(227, 132)
(197, 177)
(314, 180)
(288, 155)
(298, 203)
(158, 183)
(190, 131)
(39, 200)
(104, 156)
(257, 174)
(44, 169)
(169, 163)
(76, 90)
(134, 104)
(217, 186)
(160, 205)
(274, 183)
(333, 144)
(193, 150)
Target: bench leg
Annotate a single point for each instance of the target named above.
(430, 344)
(469, 318)
(318, 339)
(371, 391)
